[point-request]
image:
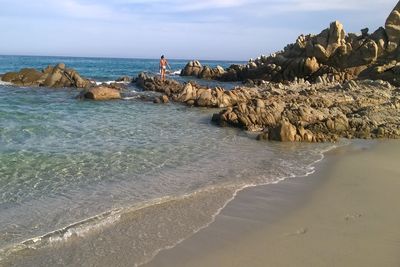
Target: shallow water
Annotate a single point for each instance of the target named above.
(79, 177)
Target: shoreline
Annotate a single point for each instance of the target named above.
(265, 224)
(64, 240)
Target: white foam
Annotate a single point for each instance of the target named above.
(5, 83)
(176, 72)
(110, 82)
(82, 230)
(78, 229)
(130, 97)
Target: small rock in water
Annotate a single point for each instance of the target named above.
(100, 93)
(165, 99)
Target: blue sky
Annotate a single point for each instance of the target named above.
(202, 29)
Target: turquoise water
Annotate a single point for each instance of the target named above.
(63, 161)
(99, 69)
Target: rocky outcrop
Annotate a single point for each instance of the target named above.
(297, 111)
(193, 94)
(155, 84)
(194, 68)
(332, 54)
(57, 76)
(216, 97)
(100, 93)
(317, 113)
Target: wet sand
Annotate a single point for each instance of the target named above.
(345, 214)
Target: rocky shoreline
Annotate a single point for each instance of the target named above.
(298, 111)
(319, 89)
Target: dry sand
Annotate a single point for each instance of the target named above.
(346, 214)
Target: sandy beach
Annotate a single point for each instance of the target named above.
(345, 214)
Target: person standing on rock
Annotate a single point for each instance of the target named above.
(163, 67)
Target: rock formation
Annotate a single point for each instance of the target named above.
(331, 54)
(297, 111)
(155, 84)
(194, 68)
(193, 94)
(58, 76)
(319, 113)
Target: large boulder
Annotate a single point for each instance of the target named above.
(188, 93)
(75, 79)
(195, 69)
(100, 93)
(380, 37)
(25, 77)
(9, 76)
(192, 68)
(205, 98)
(392, 25)
(54, 78)
(284, 132)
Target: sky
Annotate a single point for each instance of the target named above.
(180, 29)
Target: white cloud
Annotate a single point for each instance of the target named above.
(184, 5)
(74, 8)
(210, 4)
(217, 28)
(328, 5)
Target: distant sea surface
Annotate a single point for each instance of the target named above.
(87, 181)
(99, 69)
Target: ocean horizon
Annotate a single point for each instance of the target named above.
(127, 57)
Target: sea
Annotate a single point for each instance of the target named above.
(86, 183)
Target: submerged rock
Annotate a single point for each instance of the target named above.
(125, 79)
(161, 100)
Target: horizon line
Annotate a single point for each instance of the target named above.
(113, 57)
